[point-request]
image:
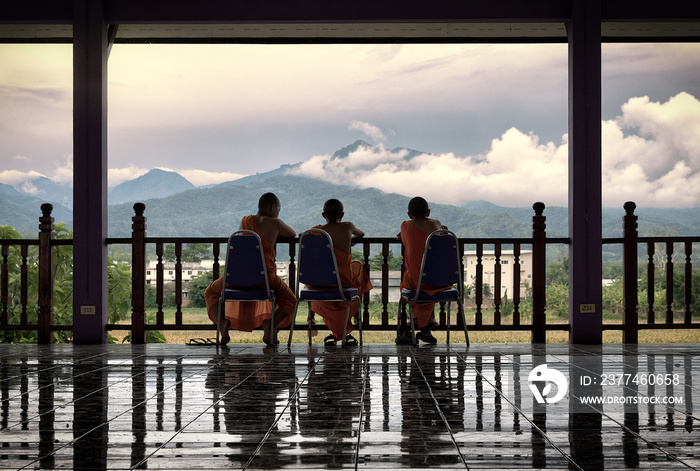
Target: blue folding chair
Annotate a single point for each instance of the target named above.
(245, 278)
(318, 269)
(440, 267)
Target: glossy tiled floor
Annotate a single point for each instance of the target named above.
(377, 407)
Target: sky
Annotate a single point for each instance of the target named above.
(491, 120)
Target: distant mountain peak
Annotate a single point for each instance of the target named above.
(156, 183)
(347, 150)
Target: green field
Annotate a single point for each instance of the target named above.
(198, 316)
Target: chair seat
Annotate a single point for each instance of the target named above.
(326, 294)
(449, 294)
(255, 294)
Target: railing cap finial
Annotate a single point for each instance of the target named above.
(46, 209)
(539, 208)
(630, 206)
(139, 209)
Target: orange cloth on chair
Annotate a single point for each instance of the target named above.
(352, 274)
(413, 241)
(247, 316)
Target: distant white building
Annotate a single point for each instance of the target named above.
(488, 261)
(189, 270)
(375, 277)
(192, 269)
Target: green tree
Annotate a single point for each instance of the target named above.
(394, 263)
(557, 299)
(558, 272)
(190, 252)
(197, 286)
(118, 287)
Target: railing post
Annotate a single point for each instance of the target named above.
(688, 295)
(630, 334)
(539, 261)
(138, 275)
(45, 290)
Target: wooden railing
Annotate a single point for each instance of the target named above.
(140, 245)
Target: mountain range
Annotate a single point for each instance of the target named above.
(175, 207)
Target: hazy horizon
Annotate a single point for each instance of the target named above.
(492, 119)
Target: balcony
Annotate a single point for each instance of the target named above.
(28, 261)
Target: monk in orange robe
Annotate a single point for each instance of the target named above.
(413, 235)
(352, 273)
(247, 316)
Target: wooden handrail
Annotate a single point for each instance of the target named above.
(19, 251)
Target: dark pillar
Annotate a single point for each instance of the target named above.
(539, 262)
(89, 172)
(138, 274)
(585, 221)
(45, 291)
(630, 334)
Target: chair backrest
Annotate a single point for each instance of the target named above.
(245, 260)
(317, 264)
(441, 260)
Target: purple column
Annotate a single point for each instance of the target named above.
(585, 200)
(89, 172)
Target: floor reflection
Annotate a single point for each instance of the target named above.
(379, 406)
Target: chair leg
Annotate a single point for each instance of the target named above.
(359, 319)
(273, 325)
(218, 320)
(413, 327)
(460, 309)
(309, 318)
(448, 322)
(291, 326)
(398, 319)
(345, 326)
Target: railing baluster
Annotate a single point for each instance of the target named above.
(24, 284)
(460, 244)
(651, 270)
(291, 269)
(479, 283)
(160, 316)
(669, 282)
(497, 284)
(178, 283)
(5, 296)
(688, 298)
(385, 283)
(365, 298)
(516, 284)
(216, 268)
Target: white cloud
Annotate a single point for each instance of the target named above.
(515, 170)
(204, 177)
(369, 130)
(29, 187)
(115, 176)
(63, 172)
(651, 155)
(16, 177)
(195, 176)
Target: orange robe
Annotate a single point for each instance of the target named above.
(247, 316)
(352, 274)
(413, 240)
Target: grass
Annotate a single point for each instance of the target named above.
(199, 316)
